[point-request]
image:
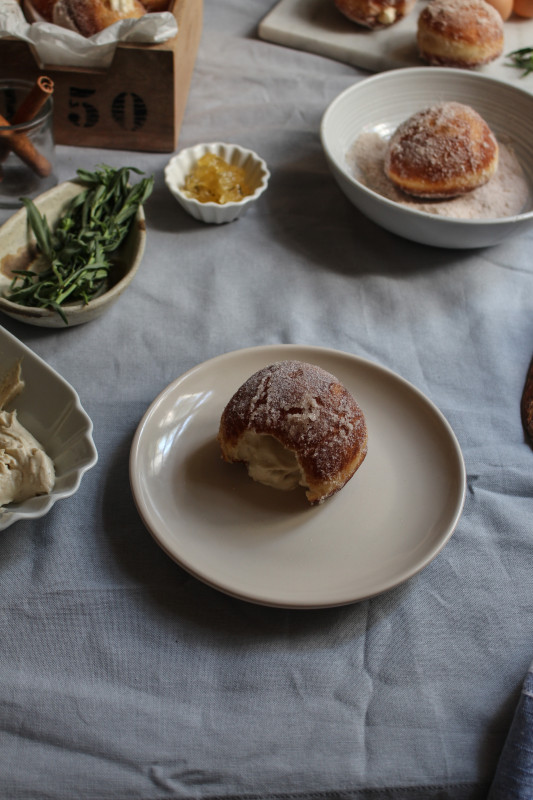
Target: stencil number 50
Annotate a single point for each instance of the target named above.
(128, 110)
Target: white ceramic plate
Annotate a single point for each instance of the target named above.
(271, 547)
(51, 410)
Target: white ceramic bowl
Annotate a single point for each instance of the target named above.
(179, 166)
(14, 240)
(50, 409)
(381, 102)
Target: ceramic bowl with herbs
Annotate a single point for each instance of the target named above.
(52, 277)
(369, 112)
(216, 182)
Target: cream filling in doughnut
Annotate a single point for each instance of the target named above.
(388, 16)
(268, 461)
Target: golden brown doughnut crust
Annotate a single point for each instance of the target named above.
(374, 13)
(460, 33)
(442, 151)
(309, 412)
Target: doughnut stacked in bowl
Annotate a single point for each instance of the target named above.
(383, 102)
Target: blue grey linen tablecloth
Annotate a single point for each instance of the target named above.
(123, 677)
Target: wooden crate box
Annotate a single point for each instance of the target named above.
(136, 104)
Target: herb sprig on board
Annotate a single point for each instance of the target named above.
(78, 253)
(522, 59)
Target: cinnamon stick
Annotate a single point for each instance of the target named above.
(25, 149)
(34, 100)
(41, 90)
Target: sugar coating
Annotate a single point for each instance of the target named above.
(467, 20)
(306, 409)
(448, 146)
(506, 194)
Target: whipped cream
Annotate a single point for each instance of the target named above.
(25, 468)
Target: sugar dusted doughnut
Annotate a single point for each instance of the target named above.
(442, 151)
(293, 423)
(92, 16)
(374, 13)
(459, 33)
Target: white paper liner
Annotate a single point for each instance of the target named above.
(62, 47)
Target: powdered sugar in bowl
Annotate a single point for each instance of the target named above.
(358, 123)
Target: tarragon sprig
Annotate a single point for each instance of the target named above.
(522, 59)
(77, 257)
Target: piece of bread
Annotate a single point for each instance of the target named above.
(374, 13)
(92, 16)
(442, 151)
(459, 33)
(293, 423)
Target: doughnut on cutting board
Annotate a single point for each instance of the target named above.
(316, 26)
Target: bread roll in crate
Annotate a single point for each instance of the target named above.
(135, 103)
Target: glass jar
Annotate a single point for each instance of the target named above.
(27, 151)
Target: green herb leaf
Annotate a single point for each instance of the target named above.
(522, 59)
(78, 254)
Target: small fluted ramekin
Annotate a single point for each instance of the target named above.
(180, 165)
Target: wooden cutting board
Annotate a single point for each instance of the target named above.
(318, 27)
